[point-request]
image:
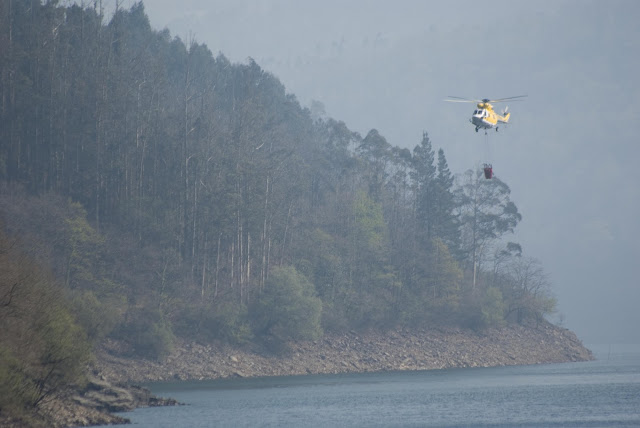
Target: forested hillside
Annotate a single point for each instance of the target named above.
(173, 193)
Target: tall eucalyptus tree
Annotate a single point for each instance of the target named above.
(486, 213)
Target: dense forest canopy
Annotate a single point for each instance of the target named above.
(173, 193)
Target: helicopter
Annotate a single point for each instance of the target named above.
(484, 116)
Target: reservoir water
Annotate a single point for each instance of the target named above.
(601, 393)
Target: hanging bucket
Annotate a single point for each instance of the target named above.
(488, 171)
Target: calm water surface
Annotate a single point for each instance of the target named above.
(600, 393)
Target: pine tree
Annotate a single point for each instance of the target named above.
(447, 226)
(424, 174)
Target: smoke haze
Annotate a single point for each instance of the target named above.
(570, 155)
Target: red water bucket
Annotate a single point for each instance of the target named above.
(488, 171)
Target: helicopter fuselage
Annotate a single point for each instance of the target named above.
(484, 117)
(480, 120)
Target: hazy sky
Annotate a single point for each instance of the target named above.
(571, 155)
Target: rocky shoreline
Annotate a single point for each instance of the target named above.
(356, 352)
(96, 403)
(112, 384)
(93, 404)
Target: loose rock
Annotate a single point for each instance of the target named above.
(364, 351)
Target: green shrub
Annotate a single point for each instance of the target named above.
(229, 322)
(98, 318)
(43, 351)
(149, 334)
(155, 340)
(224, 321)
(288, 309)
(16, 389)
(492, 307)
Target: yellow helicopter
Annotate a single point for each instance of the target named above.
(484, 116)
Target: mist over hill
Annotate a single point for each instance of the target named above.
(569, 155)
(155, 192)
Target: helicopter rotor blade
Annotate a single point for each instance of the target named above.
(461, 100)
(499, 100)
